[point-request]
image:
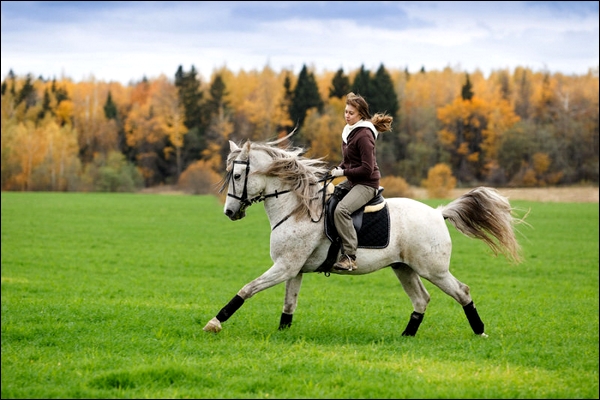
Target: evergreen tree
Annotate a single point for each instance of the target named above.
(110, 108)
(27, 93)
(383, 95)
(467, 90)
(383, 99)
(306, 96)
(45, 104)
(216, 100)
(340, 85)
(61, 94)
(217, 113)
(362, 83)
(286, 103)
(190, 96)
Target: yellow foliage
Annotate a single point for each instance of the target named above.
(463, 149)
(32, 144)
(471, 131)
(324, 131)
(64, 112)
(541, 163)
(462, 119)
(529, 178)
(395, 186)
(199, 178)
(439, 182)
(473, 157)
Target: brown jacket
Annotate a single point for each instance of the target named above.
(359, 159)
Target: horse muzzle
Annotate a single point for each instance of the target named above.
(235, 215)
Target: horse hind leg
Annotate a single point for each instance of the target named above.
(414, 288)
(292, 289)
(461, 293)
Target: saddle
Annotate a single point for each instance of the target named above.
(371, 221)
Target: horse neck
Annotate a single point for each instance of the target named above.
(280, 206)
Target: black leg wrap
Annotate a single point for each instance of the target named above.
(473, 317)
(413, 324)
(230, 308)
(285, 321)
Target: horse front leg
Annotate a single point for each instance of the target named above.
(278, 273)
(292, 288)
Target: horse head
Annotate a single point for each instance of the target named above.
(245, 186)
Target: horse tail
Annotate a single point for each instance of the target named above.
(482, 213)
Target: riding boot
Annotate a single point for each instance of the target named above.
(347, 262)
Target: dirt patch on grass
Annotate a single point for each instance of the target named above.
(575, 194)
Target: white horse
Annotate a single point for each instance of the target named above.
(293, 191)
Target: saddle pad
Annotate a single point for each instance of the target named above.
(374, 232)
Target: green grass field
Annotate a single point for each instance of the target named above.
(106, 295)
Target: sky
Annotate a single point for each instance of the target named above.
(127, 41)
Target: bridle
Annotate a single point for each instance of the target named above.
(246, 202)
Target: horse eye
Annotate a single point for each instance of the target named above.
(237, 176)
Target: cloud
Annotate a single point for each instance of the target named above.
(125, 41)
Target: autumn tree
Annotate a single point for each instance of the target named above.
(170, 115)
(518, 129)
(523, 91)
(471, 132)
(323, 131)
(145, 131)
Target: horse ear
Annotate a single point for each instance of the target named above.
(232, 146)
(245, 150)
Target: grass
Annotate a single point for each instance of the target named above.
(105, 296)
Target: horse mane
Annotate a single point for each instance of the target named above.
(302, 174)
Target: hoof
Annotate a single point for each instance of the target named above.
(213, 326)
(483, 335)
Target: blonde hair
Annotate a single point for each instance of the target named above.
(381, 121)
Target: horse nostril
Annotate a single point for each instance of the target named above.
(229, 213)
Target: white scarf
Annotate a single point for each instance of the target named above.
(348, 128)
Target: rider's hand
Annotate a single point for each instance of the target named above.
(337, 171)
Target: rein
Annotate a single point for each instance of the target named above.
(246, 202)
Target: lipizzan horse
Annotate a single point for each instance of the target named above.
(292, 189)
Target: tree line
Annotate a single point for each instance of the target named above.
(512, 128)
